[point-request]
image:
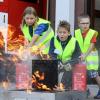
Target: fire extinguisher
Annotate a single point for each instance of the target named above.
(22, 75)
(79, 77)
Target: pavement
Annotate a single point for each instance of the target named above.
(93, 89)
(74, 95)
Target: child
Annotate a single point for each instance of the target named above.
(86, 38)
(36, 30)
(64, 47)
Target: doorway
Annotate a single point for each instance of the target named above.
(93, 9)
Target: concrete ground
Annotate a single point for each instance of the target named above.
(4, 93)
(93, 91)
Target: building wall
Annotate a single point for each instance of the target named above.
(15, 8)
(97, 4)
(79, 9)
(65, 11)
(15, 11)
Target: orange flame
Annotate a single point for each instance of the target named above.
(60, 87)
(29, 91)
(14, 42)
(39, 76)
(1, 40)
(5, 84)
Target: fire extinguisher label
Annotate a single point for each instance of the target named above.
(79, 77)
(78, 82)
(22, 76)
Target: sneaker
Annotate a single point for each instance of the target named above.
(97, 96)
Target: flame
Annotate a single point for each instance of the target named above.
(45, 56)
(13, 42)
(35, 81)
(16, 43)
(39, 75)
(23, 53)
(35, 50)
(14, 58)
(60, 87)
(1, 40)
(45, 87)
(29, 91)
(5, 84)
(0, 54)
(19, 41)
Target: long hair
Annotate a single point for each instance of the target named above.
(28, 10)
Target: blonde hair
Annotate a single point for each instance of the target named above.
(83, 16)
(64, 24)
(29, 10)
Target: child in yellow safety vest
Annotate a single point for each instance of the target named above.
(36, 30)
(86, 38)
(64, 48)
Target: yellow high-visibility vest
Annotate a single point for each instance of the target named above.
(42, 40)
(92, 58)
(66, 54)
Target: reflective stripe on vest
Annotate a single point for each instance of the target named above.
(92, 58)
(46, 37)
(92, 61)
(65, 54)
(45, 40)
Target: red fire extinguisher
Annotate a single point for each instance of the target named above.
(79, 77)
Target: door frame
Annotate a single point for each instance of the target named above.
(51, 12)
(91, 11)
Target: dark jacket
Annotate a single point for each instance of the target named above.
(75, 55)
